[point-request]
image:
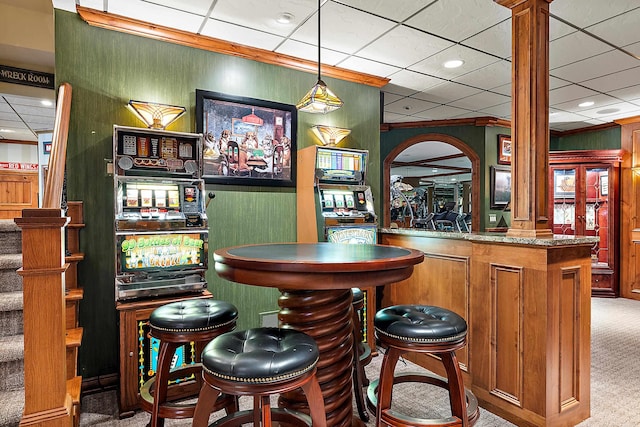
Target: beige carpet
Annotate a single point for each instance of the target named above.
(615, 379)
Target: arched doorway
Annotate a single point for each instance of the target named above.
(426, 159)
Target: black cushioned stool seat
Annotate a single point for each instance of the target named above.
(260, 362)
(361, 352)
(422, 329)
(195, 321)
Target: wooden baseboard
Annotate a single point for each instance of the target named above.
(100, 383)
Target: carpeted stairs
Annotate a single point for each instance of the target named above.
(11, 338)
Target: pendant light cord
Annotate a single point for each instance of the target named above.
(319, 5)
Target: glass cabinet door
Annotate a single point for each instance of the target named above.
(596, 220)
(564, 201)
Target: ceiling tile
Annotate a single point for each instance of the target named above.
(343, 29)
(503, 90)
(395, 118)
(395, 10)
(367, 66)
(413, 80)
(501, 111)
(241, 35)
(404, 46)
(493, 75)
(631, 93)
(472, 58)
(409, 106)
(262, 15)
(477, 15)
(559, 29)
(447, 92)
(398, 90)
(569, 93)
(442, 113)
(620, 80)
(601, 65)
(197, 7)
(480, 100)
(574, 47)
(310, 52)
(620, 30)
(600, 101)
(495, 40)
(389, 97)
(146, 11)
(590, 12)
(611, 111)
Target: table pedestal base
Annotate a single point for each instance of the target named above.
(325, 316)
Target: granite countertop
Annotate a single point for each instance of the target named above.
(556, 240)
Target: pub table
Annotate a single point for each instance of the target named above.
(315, 281)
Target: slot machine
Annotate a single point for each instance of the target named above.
(335, 204)
(160, 240)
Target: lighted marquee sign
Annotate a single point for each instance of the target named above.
(151, 251)
(352, 235)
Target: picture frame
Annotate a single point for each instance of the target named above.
(246, 141)
(500, 187)
(504, 149)
(604, 184)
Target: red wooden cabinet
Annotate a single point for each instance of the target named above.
(584, 201)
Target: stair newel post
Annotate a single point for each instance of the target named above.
(47, 402)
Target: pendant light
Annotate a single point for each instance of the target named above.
(320, 99)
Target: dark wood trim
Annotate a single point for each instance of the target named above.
(584, 156)
(594, 128)
(628, 120)
(17, 141)
(123, 24)
(475, 121)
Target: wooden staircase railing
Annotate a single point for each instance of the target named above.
(52, 395)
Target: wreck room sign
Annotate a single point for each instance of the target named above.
(21, 76)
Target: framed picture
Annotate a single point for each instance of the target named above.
(246, 141)
(604, 184)
(504, 150)
(500, 187)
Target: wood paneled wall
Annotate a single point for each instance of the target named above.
(18, 191)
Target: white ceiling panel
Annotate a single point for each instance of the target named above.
(389, 97)
(146, 11)
(441, 17)
(621, 29)
(260, 15)
(601, 65)
(343, 29)
(447, 92)
(495, 40)
(631, 93)
(615, 81)
(197, 7)
(409, 106)
(573, 48)
(501, 111)
(404, 46)
(241, 35)
(493, 75)
(367, 66)
(612, 111)
(390, 117)
(395, 10)
(558, 29)
(442, 112)
(480, 101)
(569, 93)
(473, 59)
(416, 81)
(590, 12)
(310, 52)
(600, 101)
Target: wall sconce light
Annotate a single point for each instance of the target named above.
(156, 116)
(330, 135)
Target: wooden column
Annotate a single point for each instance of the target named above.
(47, 401)
(530, 117)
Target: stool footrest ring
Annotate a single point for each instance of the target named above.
(473, 412)
(277, 414)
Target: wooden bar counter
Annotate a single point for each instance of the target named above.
(527, 304)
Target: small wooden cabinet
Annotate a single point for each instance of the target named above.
(584, 200)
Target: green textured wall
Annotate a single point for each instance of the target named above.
(606, 139)
(482, 140)
(106, 69)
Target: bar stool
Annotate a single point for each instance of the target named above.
(260, 362)
(361, 353)
(421, 329)
(175, 324)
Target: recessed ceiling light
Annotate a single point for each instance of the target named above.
(6, 130)
(586, 104)
(434, 170)
(285, 18)
(46, 103)
(454, 63)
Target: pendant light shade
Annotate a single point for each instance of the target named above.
(320, 99)
(156, 116)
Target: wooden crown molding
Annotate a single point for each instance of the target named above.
(474, 121)
(123, 24)
(18, 141)
(628, 120)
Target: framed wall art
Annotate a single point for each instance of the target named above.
(500, 187)
(246, 141)
(504, 150)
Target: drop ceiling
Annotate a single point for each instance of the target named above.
(594, 50)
